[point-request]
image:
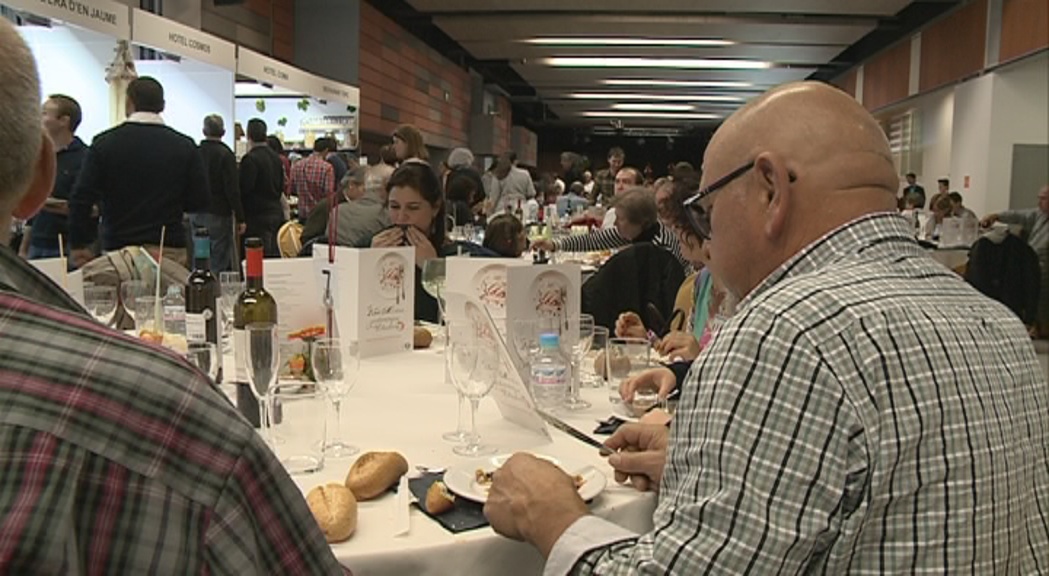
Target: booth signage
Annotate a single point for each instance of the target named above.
(169, 36)
(105, 16)
(271, 71)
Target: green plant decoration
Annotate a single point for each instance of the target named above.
(282, 122)
(304, 104)
(260, 105)
(350, 108)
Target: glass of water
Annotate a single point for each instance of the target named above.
(625, 357)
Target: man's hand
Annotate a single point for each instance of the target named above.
(679, 344)
(534, 501)
(629, 325)
(660, 379)
(641, 454)
(81, 256)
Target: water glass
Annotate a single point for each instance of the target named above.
(101, 302)
(625, 357)
(474, 366)
(130, 292)
(302, 433)
(336, 364)
(230, 286)
(146, 314)
(592, 376)
(582, 328)
(205, 356)
(263, 364)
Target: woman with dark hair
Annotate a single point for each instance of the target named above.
(416, 208)
(505, 236)
(465, 193)
(408, 143)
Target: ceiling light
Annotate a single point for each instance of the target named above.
(675, 83)
(589, 41)
(663, 107)
(667, 115)
(684, 63)
(665, 97)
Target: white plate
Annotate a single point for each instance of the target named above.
(462, 480)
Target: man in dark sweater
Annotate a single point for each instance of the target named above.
(62, 116)
(261, 186)
(221, 167)
(144, 176)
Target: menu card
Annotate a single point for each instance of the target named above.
(483, 279)
(292, 283)
(551, 295)
(510, 392)
(55, 269)
(373, 296)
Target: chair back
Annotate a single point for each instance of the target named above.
(289, 239)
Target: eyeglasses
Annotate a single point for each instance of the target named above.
(699, 216)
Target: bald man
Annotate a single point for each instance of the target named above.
(118, 457)
(864, 411)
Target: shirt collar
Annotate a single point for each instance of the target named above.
(145, 118)
(20, 277)
(75, 144)
(878, 233)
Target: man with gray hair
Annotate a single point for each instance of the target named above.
(101, 430)
(364, 213)
(350, 188)
(226, 208)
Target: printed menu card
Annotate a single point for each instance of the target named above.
(483, 279)
(549, 296)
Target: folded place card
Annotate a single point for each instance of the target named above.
(484, 279)
(550, 296)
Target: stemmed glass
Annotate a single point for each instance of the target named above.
(101, 302)
(231, 286)
(263, 360)
(434, 274)
(205, 356)
(584, 327)
(474, 366)
(335, 366)
(130, 292)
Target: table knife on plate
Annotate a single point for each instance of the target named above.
(577, 434)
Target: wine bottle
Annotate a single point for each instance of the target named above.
(202, 293)
(254, 305)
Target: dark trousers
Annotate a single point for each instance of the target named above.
(220, 231)
(265, 229)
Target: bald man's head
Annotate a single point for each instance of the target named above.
(817, 160)
(19, 115)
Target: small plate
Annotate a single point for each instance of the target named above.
(462, 480)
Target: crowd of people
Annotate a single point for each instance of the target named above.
(847, 404)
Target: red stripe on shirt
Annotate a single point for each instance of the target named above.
(291, 561)
(38, 462)
(114, 486)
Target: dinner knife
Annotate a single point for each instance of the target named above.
(578, 435)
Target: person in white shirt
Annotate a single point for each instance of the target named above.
(626, 178)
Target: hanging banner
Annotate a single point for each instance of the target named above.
(169, 36)
(281, 74)
(105, 16)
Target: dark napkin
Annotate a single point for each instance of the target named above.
(466, 515)
(609, 426)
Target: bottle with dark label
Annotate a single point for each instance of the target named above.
(254, 305)
(202, 293)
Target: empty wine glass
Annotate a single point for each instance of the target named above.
(433, 278)
(146, 314)
(598, 342)
(205, 356)
(263, 364)
(130, 292)
(474, 366)
(335, 366)
(101, 302)
(230, 286)
(582, 328)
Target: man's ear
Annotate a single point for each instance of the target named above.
(774, 180)
(43, 180)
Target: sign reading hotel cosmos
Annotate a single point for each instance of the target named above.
(175, 38)
(105, 16)
(283, 75)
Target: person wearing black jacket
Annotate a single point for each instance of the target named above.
(144, 176)
(221, 166)
(261, 186)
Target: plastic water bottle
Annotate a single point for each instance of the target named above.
(550, 374)
(174, 311)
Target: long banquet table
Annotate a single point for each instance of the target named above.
(401, 403)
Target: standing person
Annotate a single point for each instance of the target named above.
(571, 169)
(408, 144)
(226, 208)
(863, 411)
(261, 187)
(119, 458)
(143, 176)
(62, 116)
(285, 162)
(913, 192)
(312, 179)
(1035, 222)
(331, 154)
(605, 180)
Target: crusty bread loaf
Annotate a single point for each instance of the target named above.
(438, 500)
(421, 337)
(335, 509)
(374, 472)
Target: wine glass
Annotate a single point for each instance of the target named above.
(263, 363)
(583, 329)
(101, 302)
(474, 366)
(146, 314)
(434, 274)
(130, 292)
(335, 365)
(598, 343)
(205, 356)
(231, 286)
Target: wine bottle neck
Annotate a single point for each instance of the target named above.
(254, 269)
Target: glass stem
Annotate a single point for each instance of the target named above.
(461, 427)
(573, 386)
(474, 438)
(337, 433)
(264, 422)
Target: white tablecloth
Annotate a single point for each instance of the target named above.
(401, 403)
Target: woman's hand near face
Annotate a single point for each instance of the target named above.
(388, 238)
(424, 249)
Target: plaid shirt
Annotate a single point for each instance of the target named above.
(866, 412)
(312, 180)
(119, 458)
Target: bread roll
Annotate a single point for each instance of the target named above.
(374, 472)
(421, 337)
(335, 509)
(438, 500)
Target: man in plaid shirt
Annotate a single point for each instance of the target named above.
(312, 179)
(118, 457)
(864, 411)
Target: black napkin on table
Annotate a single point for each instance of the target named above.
(466, 515)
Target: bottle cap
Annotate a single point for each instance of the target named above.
(549, 340)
